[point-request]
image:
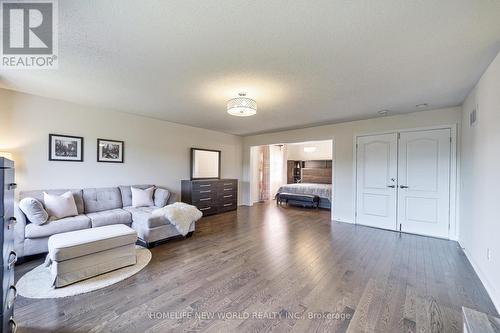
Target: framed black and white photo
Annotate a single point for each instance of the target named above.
(65, 148)
(110, 151)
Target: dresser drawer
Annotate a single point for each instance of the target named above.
(227, 206)
(9, 324)
(228, 190)
(8, 229)
(8, 269)
(203, 194)
(10, 295)
(8, 291)
(205, 200)
(227, 196)
(229, 185)
(207, 209)
(7, 193)
(204, 185)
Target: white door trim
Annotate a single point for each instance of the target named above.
(454, 178)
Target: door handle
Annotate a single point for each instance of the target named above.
(391, 186)
(403, 186)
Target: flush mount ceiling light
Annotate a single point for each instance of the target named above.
(383, 112)
(421, 106)
(309, 149)
(242, 106)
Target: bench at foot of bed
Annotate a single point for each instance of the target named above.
(304, 200)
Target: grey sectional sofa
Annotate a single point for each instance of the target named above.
(96, 207)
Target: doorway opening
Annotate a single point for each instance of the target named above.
(300, 167)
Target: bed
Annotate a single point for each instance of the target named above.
(324, 191)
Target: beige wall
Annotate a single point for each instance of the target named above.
(323, 151)
(156, 151)
(343, 137)
(480, 181)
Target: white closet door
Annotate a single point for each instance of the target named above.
(424, 182)
(376, 180)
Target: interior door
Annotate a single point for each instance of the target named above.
(376, 174)
(424, 182)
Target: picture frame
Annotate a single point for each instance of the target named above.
(110, 151)
(65, 148)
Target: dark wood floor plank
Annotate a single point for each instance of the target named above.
(264, 259)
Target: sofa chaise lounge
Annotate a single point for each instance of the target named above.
(96, 207)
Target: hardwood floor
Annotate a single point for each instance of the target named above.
(264, 269)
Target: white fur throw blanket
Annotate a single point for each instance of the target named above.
(181, 215)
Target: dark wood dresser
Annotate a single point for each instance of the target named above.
(9, 256)
(211, 196)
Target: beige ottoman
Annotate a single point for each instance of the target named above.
(82, 254)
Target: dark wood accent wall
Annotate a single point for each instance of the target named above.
(317, 175)
(318, 164)
(211, 196)
(317, 171)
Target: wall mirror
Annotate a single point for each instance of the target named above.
(205, 163)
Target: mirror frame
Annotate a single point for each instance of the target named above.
(193, 150)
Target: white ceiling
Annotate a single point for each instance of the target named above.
(305, 62)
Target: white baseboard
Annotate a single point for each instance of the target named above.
(486, 283)
(342, 221)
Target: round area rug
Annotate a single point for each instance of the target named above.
(37, 283)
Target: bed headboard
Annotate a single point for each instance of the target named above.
(319, 172)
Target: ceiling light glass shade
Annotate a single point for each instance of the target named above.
(309, 149)
(242, 106)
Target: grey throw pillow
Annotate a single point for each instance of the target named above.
(161, 197)
(34, 211)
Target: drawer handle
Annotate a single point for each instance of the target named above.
(228, 196)
(228, 189)
(10, 304)
(205, 199)
(206, 208)
(13, 325)
(229, 204)
(228, 183)
(12, 186)
(12, 261)
(12, 222)
(207, 191)
(205, 185)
